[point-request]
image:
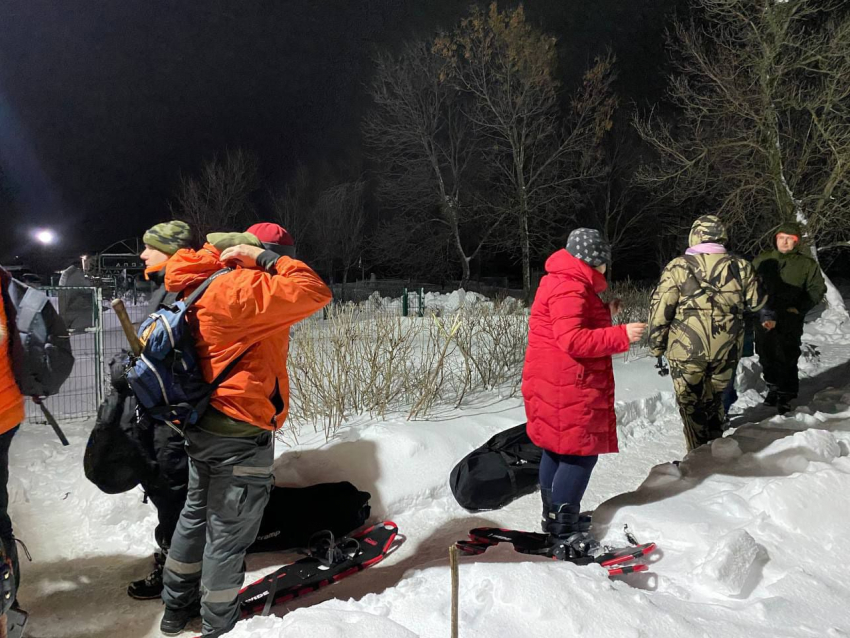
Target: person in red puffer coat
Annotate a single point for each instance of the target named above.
(568, 383)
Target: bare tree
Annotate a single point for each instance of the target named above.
(413, 248)
(540, 157)
(340, 217)
(426, 145)
(293, 209)
(763, 87)
(220, 197)
(619, 208)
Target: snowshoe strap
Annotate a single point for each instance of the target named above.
(329, 551)
(273, 579)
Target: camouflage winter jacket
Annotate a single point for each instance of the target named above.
(697, 310)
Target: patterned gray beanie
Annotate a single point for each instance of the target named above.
(588, 245)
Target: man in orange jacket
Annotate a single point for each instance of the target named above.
(231, 449)
(11, 416)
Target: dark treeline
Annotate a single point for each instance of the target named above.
(476, 147)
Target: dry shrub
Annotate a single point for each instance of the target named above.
(362, 361)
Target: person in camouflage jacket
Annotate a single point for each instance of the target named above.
(794, 282)
(697, 322)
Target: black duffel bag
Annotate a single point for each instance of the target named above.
(503, 469)
(293, 514)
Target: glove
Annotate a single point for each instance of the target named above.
(663, 370)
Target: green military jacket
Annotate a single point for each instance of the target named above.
(697, 310)
(792, 280)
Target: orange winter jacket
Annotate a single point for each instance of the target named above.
(11, 400)
(247, 309)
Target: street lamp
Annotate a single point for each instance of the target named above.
(45, 236)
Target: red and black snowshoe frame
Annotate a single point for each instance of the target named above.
(328, 561)
(537, 544)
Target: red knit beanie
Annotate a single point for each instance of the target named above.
(269, 233)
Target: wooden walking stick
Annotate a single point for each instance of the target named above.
(127, 325)
(455, 582)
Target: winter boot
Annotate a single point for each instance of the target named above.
(150, 586)
(546, 496)
(772, 397)
(567, 533)
(783, 402)
(174, 621)
(584, 520)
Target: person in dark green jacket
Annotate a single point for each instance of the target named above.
(794, 286)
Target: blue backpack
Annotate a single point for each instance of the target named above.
(165, 377)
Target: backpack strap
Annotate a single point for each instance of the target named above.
(221, 376)
(191, 299)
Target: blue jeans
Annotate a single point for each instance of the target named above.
(567, 475)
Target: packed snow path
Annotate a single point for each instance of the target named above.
(748, 528)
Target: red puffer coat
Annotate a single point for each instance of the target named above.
(568, 379)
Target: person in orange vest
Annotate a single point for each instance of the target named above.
(11, 416)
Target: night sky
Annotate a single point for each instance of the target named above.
(103, 103)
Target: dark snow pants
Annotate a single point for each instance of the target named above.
(779, 352)
(230, 479)
(6, 534)
(168, 488)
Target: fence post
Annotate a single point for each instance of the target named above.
(404, 307)
(99, 363)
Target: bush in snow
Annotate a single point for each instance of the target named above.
(360, 360)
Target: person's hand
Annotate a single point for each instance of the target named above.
(768, 325)
(663, 369)
(615, 306)
(241, 255)
(793, 311)
(635, 331)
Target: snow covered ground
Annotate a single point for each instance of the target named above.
(750, 529)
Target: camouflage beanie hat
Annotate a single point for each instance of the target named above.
(169, 237)
(588, 245)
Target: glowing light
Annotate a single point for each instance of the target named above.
(45, 236)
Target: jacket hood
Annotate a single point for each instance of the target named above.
(188, 268)
(564, 264)
(708, 229)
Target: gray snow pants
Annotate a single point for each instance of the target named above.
(230, 479)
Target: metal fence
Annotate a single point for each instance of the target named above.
(96, 337)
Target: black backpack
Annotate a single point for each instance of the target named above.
(503, 469)
(44, 361)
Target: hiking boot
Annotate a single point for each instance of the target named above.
(175, 620)
(150, 586)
